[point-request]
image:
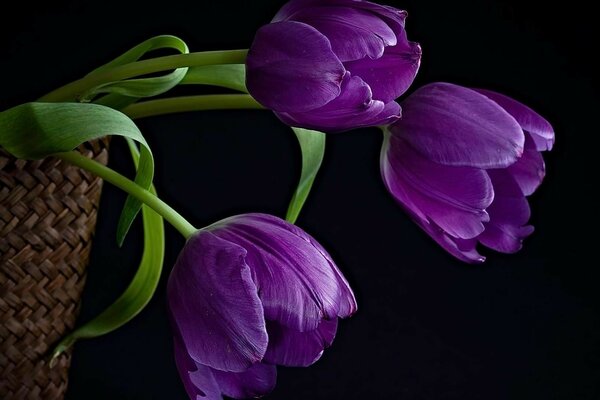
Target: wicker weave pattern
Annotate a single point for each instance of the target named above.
(47, 219)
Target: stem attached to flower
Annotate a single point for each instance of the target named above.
(191, 103)
(109, 175)
(74, 90)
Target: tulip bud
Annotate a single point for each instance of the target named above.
(249, 293)
(333, 65)
(461, 163)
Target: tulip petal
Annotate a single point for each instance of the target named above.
(529, 170)
(297, 283)
(257, 381)
(463, 249)
(215, 305)
(392, 74)
(346, 301)
(197, 379)
(392, 16)
(291, 68)
(453, 125)
(509, 214)
(292, 348)
(540, 130)
(353, 108)
(454, 198)
(290, 8)
(391, 113)
(353, 33)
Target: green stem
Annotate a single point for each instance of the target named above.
(109, 175)
(191, 103)
(76, 89)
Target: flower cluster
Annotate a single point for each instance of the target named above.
(460, 161)
(253, 292)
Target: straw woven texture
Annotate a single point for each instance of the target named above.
(47, 219)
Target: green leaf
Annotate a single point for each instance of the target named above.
(142, 87)
(116, 101)
(140, 290)
(312, 145)
(37, 130)
(231, 76)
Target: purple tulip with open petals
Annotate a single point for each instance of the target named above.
(248, 293)
(333, 65)
(461, 162)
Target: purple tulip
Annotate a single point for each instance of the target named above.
(461, 162)
(249, 293)
(333, 65)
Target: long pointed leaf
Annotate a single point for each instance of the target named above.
(142, 87)
(38, 130)
(140, 290)
(312, 145)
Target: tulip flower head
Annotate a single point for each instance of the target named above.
(249, 293)
(461, 162)
(333, 65)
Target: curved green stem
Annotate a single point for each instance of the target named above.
(191, 103)
(76, 89)
(109, 175)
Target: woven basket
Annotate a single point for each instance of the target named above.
(47, 219)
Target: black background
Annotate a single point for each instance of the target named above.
(522, 326)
